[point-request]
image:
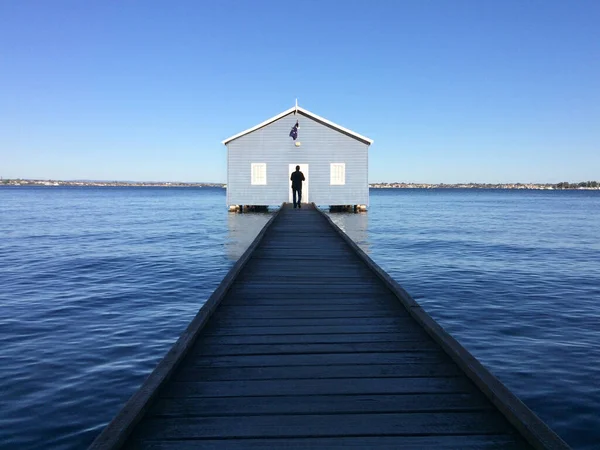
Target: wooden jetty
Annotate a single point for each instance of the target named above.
(307, 343)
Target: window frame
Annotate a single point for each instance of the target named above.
(258, 181)
(334, 180)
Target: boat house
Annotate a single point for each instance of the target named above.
(334, 161)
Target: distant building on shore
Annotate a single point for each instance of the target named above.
(334, 161)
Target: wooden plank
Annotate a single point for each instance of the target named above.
(252, 308)
(204, 349)
(456, 423)
(328, 249)
(262, 269)
(319, 253)
(469, 442)
(332, 254)
(316, 372)
(269, 256)
(315, 287)
(322, 263)
(297, 281)
(325, 386)
(308, 303)
(326, 404)
(313, 238)
(220, 330)
(323, 296)
(313, 300)
(290, 275)
(307, 290)
(344, 298)
(320, 359)
(288, 285)
(293, 313)
(305, 244)
(287, 276)
(300, 322)
(336, 338)
(117, 431)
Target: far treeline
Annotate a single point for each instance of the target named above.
(561, 185)
(567, 185)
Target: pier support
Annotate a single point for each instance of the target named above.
(348, 208)
(248, 208)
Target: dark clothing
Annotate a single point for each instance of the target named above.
(299, 193)
(297, 179)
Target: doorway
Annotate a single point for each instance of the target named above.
(304, 170)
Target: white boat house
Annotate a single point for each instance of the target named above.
(334, 161)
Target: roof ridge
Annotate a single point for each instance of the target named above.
(306, 113)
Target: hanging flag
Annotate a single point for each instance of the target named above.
(294, 132)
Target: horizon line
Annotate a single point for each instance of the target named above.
(81, 180)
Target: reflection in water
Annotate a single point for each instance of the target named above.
(355, 225)
(243, 228)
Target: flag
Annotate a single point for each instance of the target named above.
(294, 132)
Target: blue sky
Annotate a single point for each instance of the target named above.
(450, 91)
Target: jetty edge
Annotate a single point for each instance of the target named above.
(119, 428)
(533, 429)
(388, 425)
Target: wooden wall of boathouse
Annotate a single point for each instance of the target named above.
(320, 145)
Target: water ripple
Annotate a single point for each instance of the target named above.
(97, 285)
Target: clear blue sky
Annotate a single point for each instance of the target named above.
(450, 90)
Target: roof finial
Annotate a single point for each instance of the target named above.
(296, 106)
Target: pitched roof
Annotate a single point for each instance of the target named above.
(307, 113)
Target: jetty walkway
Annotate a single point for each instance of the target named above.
(309, 344)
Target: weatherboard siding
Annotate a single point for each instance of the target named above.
(321, 145)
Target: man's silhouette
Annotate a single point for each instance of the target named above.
(297, 179)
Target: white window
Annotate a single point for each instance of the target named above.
(259, 173)
(338, 173)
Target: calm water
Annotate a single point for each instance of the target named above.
(96, 285)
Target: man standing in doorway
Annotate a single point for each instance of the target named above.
(297, 179)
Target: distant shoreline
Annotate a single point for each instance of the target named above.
(21, 182)
(584, 185)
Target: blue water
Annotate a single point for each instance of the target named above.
(97, 283)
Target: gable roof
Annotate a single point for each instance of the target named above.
(306, 113)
